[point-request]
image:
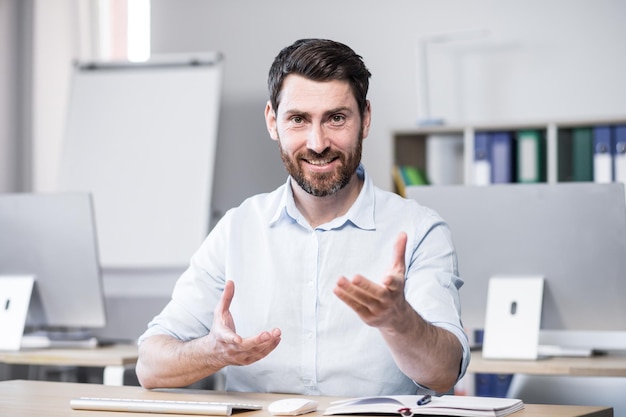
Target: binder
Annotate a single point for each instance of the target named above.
(531, 162)
(407, 175)
(564, 154)
(493, 385)
(482, 159)
(444, 159)
(602, 154)
(490, 385)
(398, 180)
(502, 157)
(413, 176)
(582, 154)
(619, 154)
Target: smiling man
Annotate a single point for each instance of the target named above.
(341, 288)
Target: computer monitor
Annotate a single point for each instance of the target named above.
(572, 234)
(53, 237)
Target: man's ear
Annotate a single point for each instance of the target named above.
(367, 119)
(270, 121)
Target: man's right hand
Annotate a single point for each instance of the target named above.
(166, 362)
(228, 347)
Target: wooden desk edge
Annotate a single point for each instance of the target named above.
(20, 396)
(114, 355)
(609, 366)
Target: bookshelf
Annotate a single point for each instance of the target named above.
(555, 154)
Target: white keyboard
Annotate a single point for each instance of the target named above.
(203, 408)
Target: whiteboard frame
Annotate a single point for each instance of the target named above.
(141, 137)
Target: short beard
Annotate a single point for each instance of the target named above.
(322, 185)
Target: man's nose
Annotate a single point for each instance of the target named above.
(318, 140)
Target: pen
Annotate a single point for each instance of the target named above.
(424, 400)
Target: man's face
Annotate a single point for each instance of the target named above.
(319, 131)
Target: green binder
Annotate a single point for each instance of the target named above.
(582, 154)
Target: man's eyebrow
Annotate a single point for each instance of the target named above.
(340, 109)
(291, 112)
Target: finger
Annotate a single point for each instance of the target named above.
(399, 251)
(223, 321)
(398, 268)
(223, 304)
(358, 293)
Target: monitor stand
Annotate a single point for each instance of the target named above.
(44, 339)
(581, 342)
(565, 351)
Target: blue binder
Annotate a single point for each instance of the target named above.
(482, 158)
(502, 158)
(619, 154)
(603, 154)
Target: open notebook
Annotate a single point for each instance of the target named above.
(446, 405)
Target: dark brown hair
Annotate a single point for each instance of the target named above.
(319, 60)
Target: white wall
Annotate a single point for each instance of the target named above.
(55, 46)
(541, 60)
(8, 111)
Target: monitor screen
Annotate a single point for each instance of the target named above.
(53, 237)
(572, 234)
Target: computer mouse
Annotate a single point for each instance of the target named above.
(292, 406)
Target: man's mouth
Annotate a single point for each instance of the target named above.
(320, 162)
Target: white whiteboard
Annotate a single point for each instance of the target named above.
(141, 138)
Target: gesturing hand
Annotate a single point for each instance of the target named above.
(227, 346)
(378, 305)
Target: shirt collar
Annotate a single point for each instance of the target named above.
(361, 214)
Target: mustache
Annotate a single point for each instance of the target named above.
(325, 154)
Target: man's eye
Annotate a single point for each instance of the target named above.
(337, 118)
(297, 119)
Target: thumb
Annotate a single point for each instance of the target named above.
(395, 279)
(223, 305)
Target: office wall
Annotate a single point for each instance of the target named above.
(539, 60)
(8, 124)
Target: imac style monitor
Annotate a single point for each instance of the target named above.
(572, 234)
(52, 237)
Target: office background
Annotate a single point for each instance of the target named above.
(507, 61)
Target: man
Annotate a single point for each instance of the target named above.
(328, 285)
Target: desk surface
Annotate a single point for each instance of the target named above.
(613, 365)
(51, 399)
(115, 355)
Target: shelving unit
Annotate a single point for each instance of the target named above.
(410, 145)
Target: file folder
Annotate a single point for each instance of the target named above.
(602, 154)
(530, 156)
(582, 154)
(444, 159)
(620, 153)
(565, 158)
(502, 157)
(482, 158)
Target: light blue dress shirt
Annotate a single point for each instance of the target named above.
(284, 273)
